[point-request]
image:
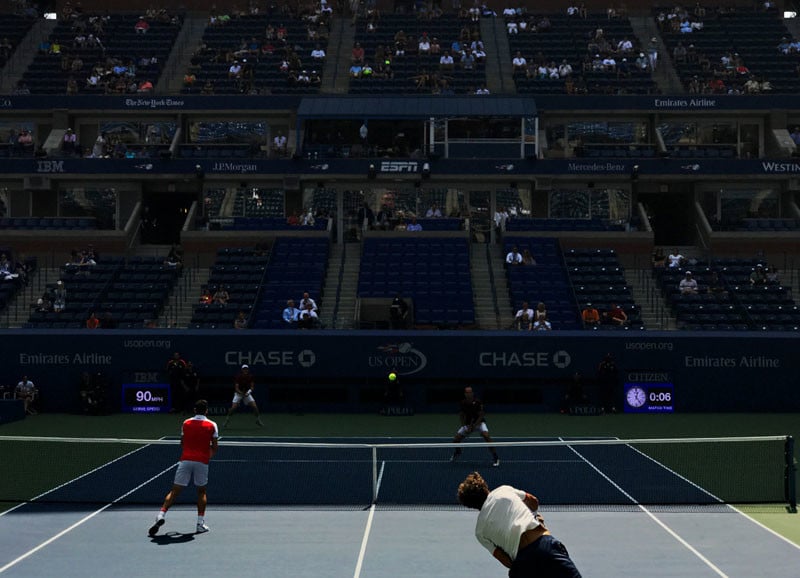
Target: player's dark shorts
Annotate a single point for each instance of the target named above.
(545, 558)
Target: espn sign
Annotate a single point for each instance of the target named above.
(399, 166)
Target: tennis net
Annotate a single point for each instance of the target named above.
(683, 471)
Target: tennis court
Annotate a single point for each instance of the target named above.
(372, 507)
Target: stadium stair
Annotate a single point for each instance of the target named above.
(486, 263)
(499, 78)
(665, 76)
(189, 39)
(652, 305)
(19, 311)
(335, 76)
(24, 55)
(341, 282)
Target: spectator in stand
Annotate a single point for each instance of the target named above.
(357, 54)
(688, 285)
(424, 44)
(527, 257)
(279, 144)
(318, 54)
(306, 301)
(93, 322)
(308, 318)
(675, 259)
(414, 226)
(519, 63)
(142, 26)
(59, 297)
(25, 142)
(659, 259)
(446, 61)
(290, 314)
(241, 321)
(524, 312)
(541, 312)
(773, 278)
(221, 296)
(617, 315)
(716, 286)
(433, 212)
(207, 297)
(514, 257)
(70, 142)
(758, 276)
(590, 316)
(542, 324)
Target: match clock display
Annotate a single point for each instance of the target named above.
(146, 397)
(649, 397)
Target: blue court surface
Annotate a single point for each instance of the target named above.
(362, 512)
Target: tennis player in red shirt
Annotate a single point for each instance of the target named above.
(199, 442)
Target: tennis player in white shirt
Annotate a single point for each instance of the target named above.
(510, 527)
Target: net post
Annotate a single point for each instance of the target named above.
(374, 474)
(790, 483)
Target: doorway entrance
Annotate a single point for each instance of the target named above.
(163, 216)
(671, 216)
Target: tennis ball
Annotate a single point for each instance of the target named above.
(392, 376)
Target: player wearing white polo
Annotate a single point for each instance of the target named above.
(510, 527)
(199, 442)
(244, 385)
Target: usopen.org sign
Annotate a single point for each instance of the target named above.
(399, 166)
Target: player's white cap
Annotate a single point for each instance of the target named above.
(245, 366)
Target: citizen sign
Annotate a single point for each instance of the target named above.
(399, 166)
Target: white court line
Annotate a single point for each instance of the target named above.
(80, 522)
(362, 552)
(83, 475)
(720, 500)
(653, 517)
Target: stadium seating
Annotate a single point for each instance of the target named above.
(567, 41)
(222, 41)
(598, 278)
(739, 306)
(129, 292)
(240, 271)
(13, 27)
(753, 36)
(546, 282)
(405, 68)
(49, 73)
(296, 265)
(433, 272)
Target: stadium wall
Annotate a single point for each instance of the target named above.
(345, 371)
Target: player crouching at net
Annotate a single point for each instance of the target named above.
(244, 385)
(511, 528)
(199, 442)
(472, 418)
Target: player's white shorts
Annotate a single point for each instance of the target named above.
(480, 428)
(191, 471)
(238, 398)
